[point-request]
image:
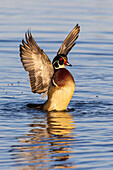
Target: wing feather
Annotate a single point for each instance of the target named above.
(69, 42)
(37, 63)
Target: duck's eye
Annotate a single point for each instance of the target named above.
(61, 61)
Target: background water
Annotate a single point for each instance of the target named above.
(80, 139)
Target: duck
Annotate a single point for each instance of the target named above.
(50, 78)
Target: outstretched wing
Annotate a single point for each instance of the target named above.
(37, 63)
(69, 42)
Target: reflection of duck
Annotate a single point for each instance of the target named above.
(49, 141)
(60, 123)
(50, 78)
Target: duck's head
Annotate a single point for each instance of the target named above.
(60, 61)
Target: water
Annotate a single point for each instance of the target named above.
(83, 137)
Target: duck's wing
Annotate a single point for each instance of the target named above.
(37, 63)
(69, 42)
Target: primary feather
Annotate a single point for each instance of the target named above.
(69, 42)
(37, 63)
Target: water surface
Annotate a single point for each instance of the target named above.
(83, 137)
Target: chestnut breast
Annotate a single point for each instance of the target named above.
(62, 77)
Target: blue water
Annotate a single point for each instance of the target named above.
(83, 137)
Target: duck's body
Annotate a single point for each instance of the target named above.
(50, 78)
(61, 92)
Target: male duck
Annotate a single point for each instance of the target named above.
(53, 78)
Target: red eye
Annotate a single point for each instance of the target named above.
(60, 59)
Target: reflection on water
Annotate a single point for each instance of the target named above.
(47, 141)
(60, 123)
